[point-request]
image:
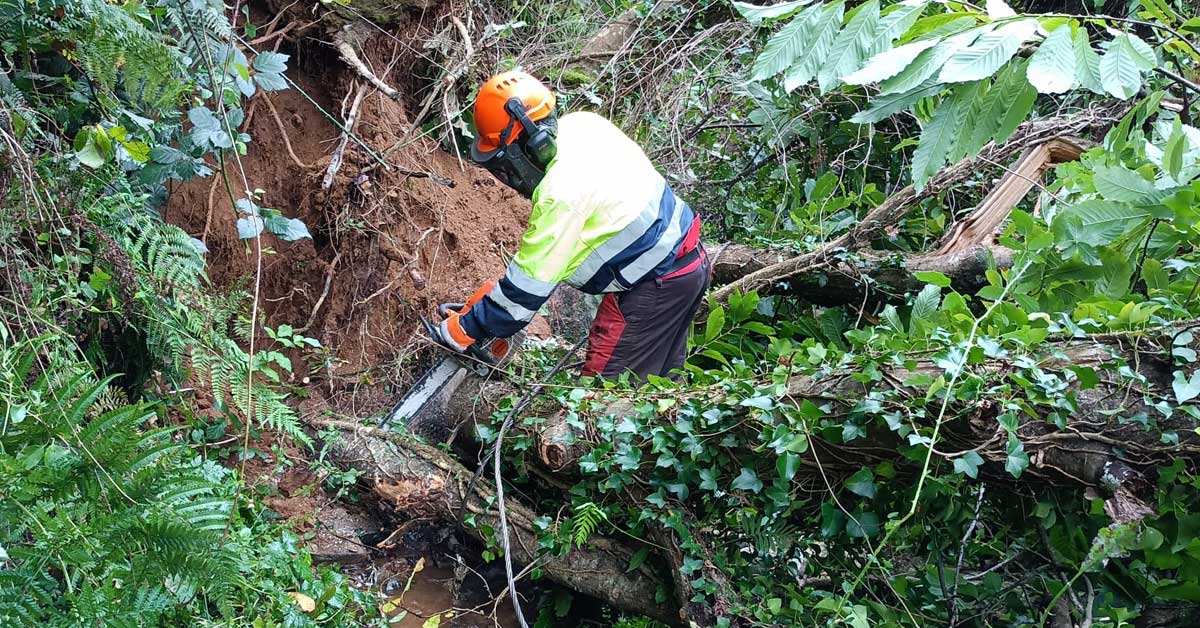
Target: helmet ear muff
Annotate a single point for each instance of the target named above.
(539, 143)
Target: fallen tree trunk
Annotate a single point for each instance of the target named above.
(1097, 447)
(424, 481)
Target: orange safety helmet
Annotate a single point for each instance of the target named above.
(490, 117)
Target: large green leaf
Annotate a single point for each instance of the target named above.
(823, 28)
(896, 20)
(936, 139)
(1118, 183)
(927, 64)
(1087, 62)
(994, 103)
(756, 14)
(890, 104)
(977, 98)
(888, 63)
(851, 46)
(1019, 108)
(1101, 221)
(1052, 68)
(988, 54)
(1122, 65)
(784, 47)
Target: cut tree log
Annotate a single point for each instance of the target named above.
(423, 481)
(1029, 134)
(1097, 447)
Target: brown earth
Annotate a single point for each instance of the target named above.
(401, 244)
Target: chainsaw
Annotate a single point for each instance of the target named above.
(422, 410)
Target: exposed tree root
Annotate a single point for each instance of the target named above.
(342, 42)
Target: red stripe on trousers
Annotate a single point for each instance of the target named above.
(606, 332)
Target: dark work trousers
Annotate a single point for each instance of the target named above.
(645, 329)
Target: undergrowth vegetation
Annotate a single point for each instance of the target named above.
(113, 511)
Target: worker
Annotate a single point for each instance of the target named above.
(603, 221)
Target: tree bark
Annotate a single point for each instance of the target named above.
(424, 481)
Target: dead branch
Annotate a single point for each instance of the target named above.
(287, 143)
(341, 41)
(335, 162)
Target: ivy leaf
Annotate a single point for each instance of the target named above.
(1186, 389)
(1017, 460)
(786, 466)
(888, 63)
(968, 464)
(862, 483)
(1052, 68)
(755, 14)
(1118, 183)
(851, 46)
(1122, 65)
(988, 54)
(863, 524)
(637, 559)
(748, 481)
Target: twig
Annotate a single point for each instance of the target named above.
(1178, 79)
(287, 143)
(312, 316)
(335, 162)
(962, 550)
(348, 55)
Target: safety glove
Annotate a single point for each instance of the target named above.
(449, 332)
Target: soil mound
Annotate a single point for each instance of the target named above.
(385, 246)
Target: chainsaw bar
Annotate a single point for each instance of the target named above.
(424, 404)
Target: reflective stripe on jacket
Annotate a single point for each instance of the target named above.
(603, 219)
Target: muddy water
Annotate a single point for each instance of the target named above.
(431, 594)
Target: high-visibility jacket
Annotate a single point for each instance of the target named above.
(603, 220)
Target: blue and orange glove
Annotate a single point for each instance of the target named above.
(450, 332)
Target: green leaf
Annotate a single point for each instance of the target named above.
(851, 46)
(888, 63)
(1172, 160)
(988, 54)
(756, 14)
(1118, 183)
(784, 47)
(1122, 65)
(896, 20)
(1019, 108)
(1101, 222)
(888, 105)
(1052, 68)
(138, 151)
(1186, 389)
(927, 64)
(714, 324)
(249, 227)
(968, 464)
(272, 62)
(863, 524)
(974, 101)
(824, 28)
(286, 229)
(926, 302)
(892, 317)
(748, 481)
(787, 466)
(270, 82)
(87, 149)
(1087, 62)
(936, 139)
(1017, 460)
(933, 277)
(862, 483)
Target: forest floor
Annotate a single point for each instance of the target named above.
(385, 248)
